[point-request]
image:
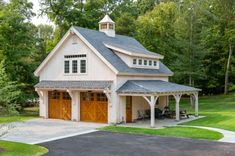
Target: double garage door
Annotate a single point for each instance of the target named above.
(93, 106)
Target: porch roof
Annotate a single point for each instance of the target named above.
(100, 85)
(154, 87)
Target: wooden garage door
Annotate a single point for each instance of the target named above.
(94, 107)
(59, 105)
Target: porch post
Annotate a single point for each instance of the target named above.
(152, 102)
(177, 106)
(43, 103)
(196, 104)
(74, 112)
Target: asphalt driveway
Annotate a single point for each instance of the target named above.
(117, 144)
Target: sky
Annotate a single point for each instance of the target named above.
(36, 9)
(39, 19)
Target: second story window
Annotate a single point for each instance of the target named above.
(75, 66)
(154, 63)
(145, 62)
(140, 62)
(82, 66)
(134, 61)
(150, 62)
(66, 67)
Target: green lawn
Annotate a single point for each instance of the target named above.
(219, 111)
(183, 132)
(20, 149)
(26, 114)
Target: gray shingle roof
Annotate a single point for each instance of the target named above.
(73, 84)
(153, 86)
(133, 49)
(97, 40)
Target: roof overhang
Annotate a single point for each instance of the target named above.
(154, 87)
(145, 74)
(73, 85)
(133, 53)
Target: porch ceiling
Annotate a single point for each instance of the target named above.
(86, 85)
(154, 87)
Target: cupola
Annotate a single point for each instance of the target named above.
(107, 25)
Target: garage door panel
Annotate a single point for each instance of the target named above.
(59, 105)
(93, 110)
(101, 112)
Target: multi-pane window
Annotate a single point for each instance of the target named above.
(66, 66)
(54, 95)
(103, 26)
(66, 96)
(101, 97)
(75, 56)
(145, 62)
(134, 61)
(87, 96)
(110, 26)
(82, 66)
(155, 63)
(75, 66)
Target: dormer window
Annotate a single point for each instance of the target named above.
(154, 63)
(134, 61)
(145, 62)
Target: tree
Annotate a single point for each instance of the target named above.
(10, 94)
(17, 43)
(217, 36)
(44, 42)
(75, 12)
(155, 30)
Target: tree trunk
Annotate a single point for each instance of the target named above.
(227, 71)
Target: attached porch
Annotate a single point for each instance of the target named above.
(151, 95)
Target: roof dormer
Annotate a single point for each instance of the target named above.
(107, 25)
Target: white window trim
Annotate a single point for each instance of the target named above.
(143, 65)
(78, 66)
(64, 67)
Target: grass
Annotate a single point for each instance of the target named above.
(20, 149)
(219, 111)
(26, 114)
(182, 132)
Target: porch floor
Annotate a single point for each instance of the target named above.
(159, 123)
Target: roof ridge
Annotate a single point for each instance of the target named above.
(96, 30)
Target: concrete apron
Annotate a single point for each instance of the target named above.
(43, 130)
